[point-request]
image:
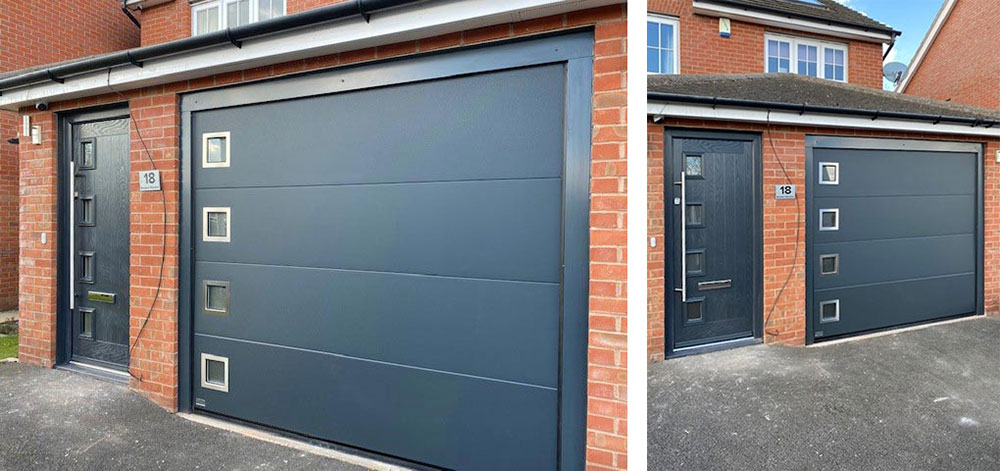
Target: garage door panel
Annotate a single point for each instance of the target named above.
(897, 217)
(408, 315)
(873, 261)
(890, 304)
(506, 124)
(452, 421)
(489, 229)
(897, 173)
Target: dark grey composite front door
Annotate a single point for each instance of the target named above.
(100, 316)
(714, 249)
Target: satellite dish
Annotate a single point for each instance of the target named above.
(894, 72)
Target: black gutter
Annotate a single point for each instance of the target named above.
(790, 14)
(235, 36)
(129, 14)
(803, 108)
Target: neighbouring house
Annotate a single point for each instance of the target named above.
(945, 67)
(69, 29)
(395, 225)
(793, 201)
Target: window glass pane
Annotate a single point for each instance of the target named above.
(652, 34)
(772, 65)
(772, 48)
(828, 219)
(696, 262)
(828, 72)
(244, 12)
(652, 60)
(217, 298)
(87, 210)
(838, 73)
(695, 215)
(692, 165)
(812, 72)
(215, 372)
(829, 173)
(87, 323)
(667, 36)
(828, 311)
(217, 224)
(86, 267)
(216, 150)
(828, 264)
(277, 8)
(693, 311)
(784, 66)
(87, 154)
(207, 21)
(786, 49)
(263, 9)
(828, 56)
(666, 61)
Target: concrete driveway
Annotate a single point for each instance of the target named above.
(57, 420)
(923, 399)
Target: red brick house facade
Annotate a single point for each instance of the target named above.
(28, 39)
(156, 117)
(946, 68)
(740, 91)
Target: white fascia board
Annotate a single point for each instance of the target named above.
(760, 116)
(926, 43)
(416, 21)
(797, 24)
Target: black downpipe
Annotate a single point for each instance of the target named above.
(129, 14)
(363, 8)
(801, 108)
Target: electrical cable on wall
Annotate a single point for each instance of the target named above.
(163, 234)
(798, 223)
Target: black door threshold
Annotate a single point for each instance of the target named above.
(99, 372)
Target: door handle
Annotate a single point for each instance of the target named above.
(716, 284)
(684, 283)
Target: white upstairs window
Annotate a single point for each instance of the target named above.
(804, 56)
(213, 15)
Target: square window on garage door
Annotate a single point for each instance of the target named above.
(829, 311)
(216, 223)
(829, 219)
(829, 173)
(217, 297)
(214, 372)
(215, 149)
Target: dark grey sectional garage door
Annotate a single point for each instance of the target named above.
(393, 269)
(899, 243)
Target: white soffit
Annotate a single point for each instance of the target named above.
(408, 23)
(797, 24)
(753, 115)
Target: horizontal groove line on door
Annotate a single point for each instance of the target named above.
(414, 182)
(890, 239)
(934, 195)
(381, 362)
(904, 280)
(379, 272)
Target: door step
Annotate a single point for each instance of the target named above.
(99, 372)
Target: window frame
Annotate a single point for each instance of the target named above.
(205, 383)
(676, 24)
(836, 218)
(836, 264)
(835, 181)
(204, 149)
(820, 46)
(221, 5)
(836, 317)
(204, 224)
(206, 285)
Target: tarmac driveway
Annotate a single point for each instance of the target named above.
(924, 399)
(57, 420)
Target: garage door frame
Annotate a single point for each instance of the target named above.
(827, 142)
(575, 50)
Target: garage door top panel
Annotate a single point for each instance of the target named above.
(500, 125)
(866, 173)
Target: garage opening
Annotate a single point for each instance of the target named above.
(394, 257)
(894, 233)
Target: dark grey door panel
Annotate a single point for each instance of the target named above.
(907, 243)
(721, 230)
(448, 420)
(492, 229)
(342, 311)
(100, 318)
(395, 272)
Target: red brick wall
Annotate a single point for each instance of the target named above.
(787, 323)
(156, 114)
(68, 29)
(703, 51)
(959, 65)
